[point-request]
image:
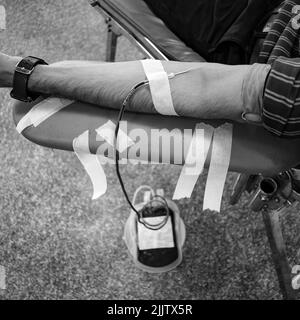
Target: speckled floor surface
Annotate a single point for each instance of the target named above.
(55, 243)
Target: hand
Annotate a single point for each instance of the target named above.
(7, 68)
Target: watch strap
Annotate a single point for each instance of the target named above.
(21, 76)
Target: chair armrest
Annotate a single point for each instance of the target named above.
(254, 150)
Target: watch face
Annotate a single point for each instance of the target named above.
(26, 64)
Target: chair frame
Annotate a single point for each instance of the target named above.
(115, 30)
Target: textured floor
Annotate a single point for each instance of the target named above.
(55, 243)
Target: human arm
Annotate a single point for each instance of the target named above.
(209, 91)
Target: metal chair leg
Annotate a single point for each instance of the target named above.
(111, 44)
(276, 241)
(238, 188)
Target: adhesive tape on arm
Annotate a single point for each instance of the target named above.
(159, 87)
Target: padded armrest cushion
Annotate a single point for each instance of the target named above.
(254, 149)
(137, 19)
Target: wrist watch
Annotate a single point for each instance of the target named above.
(21, 76)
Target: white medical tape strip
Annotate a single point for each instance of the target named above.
(296, 282)
(196, 156)
(91, 164)
(2, 18)
(107, 132)
(159, 87)
(218, 169)
(42, 111)
(2, 278)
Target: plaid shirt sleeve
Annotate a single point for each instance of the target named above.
(281, 49)
(281, 102)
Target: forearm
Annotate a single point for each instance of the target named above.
(209, 91)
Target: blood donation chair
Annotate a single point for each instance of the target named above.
(263, 160)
